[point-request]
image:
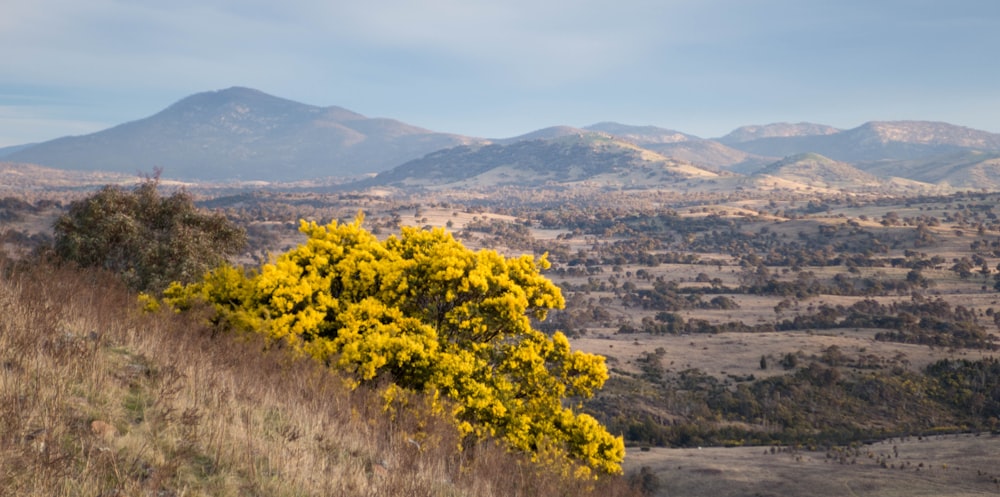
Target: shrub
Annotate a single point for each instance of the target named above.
(147, 239)
(429, 315)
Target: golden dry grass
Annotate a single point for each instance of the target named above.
(97, 399)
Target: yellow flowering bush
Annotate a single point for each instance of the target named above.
(428, 314)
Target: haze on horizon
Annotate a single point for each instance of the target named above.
(499, 69)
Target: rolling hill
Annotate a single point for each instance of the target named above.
(588, 157)
(967, 169)
(818, 171)
(712, 155)
(709, 154)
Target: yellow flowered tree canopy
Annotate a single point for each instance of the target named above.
(430, 315)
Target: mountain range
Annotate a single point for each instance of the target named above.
(244, 134)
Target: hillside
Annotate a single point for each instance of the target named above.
(550, 133)
(750, 133)
(642, 135)
(5, 151)
(818, 171)
(100, 400)
(972, 169)
(712, 155)
(569, 159)
(240, 133)
(709, 154)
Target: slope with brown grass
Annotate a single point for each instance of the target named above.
(98, 399)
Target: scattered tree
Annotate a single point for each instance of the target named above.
(147, 239)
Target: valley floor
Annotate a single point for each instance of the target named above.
(946, 466)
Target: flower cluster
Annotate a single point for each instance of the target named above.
(429, 315)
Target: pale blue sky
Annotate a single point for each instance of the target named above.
(503, 68)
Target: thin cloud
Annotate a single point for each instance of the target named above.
(456, 63)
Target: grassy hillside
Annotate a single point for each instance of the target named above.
(99, 399)
(590, 158)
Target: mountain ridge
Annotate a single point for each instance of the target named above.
(245, 134)
(641, 135)
(876, 141)
(775, 130)
(813, 169)
(240, 133)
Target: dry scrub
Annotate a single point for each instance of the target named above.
(97, 399)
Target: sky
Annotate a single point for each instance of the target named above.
(497, 69)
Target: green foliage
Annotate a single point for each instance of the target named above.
(426, 313)
(973, 386)
(842, 406)
(789, 361)
(147, 239)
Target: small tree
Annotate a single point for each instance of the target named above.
(789, 361)
(147, 239)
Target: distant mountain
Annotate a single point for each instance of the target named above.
(642, 135)
(240, 133)
(876, 141)
(5, 151)
(968, 170)
(777, 130)
(682, 146)
(925, 133)
(549, 133)
(712, 155)
(589, 157)
(819, 171)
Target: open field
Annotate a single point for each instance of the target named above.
(947, 466)
(727, 355)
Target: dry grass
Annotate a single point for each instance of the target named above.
(946, 466)
(725, 355)
(97, 399)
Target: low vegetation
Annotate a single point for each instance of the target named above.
(147, 239)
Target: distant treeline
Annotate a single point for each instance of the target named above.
(815, 405)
